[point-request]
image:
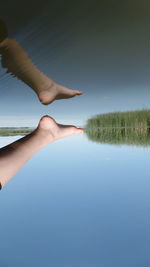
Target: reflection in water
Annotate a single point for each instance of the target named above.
(77, 203)
(130, 128)
(18, 63)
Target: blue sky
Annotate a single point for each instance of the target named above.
(78, 203)
(88, 207)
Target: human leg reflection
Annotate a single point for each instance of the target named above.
(16, 154)
(16, 60)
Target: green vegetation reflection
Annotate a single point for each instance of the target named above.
(131, 128)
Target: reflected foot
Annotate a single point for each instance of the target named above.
(55, 92)
(49, 130)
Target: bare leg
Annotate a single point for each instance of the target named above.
(17, 62)
(14, 156)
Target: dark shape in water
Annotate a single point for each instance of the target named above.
(130, 128)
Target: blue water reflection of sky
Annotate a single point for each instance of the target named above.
(78, 203)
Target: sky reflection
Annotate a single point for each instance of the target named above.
(78, 203)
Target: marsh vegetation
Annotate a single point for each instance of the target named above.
(131, 128)
(12, 131)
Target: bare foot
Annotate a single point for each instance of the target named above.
(16, 154)
(49, 130)
(17, 62)
(56, 91)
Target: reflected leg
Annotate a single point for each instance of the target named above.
(15, 155)
(17, 62)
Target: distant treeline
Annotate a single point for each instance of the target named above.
(12, 131)
(131, 128)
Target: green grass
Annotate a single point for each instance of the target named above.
(131, 128)
(13, 131)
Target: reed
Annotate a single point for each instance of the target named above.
(131, 128)
(13, 131)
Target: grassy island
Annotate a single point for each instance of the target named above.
(131, 128)
(12, 131)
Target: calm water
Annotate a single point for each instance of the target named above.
(78, 203)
